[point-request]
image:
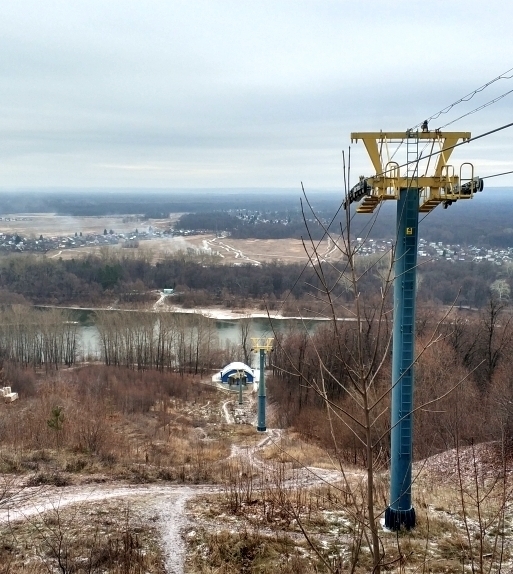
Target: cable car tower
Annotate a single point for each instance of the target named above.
(261, 345)
(414, 193)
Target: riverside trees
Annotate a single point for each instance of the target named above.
(162, 341)
(36, 338)
(50, 338)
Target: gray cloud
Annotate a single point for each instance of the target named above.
(232, 93)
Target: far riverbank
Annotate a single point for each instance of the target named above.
(215, 312)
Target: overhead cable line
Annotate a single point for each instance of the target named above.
(477, 109)
(421, 156)
(497, 174)
(466, 98)
(434, 153)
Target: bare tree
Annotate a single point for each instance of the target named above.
(349, 369)
(245, 342)
(349, 381)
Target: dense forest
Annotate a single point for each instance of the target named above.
(151, 202)
(466, 372)
(484, 221)
(196, 281)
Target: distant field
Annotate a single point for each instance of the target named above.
(36, 224)
(241, 251)
(260, 250)
(230, 250)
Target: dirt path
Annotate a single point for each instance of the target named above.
(226, 413)
(298, 477)
(160, 304)
(166, 502)
(237, 253)
(172, 522)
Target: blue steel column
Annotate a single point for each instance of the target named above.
(261, 394)
(240, 390)
(400, 512)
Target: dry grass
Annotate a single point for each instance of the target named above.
(294, 449)
(330, 515)
(157, 249)
(286, 250)
(117, 425)
(153, 431)
(244, 551)
(88, 538)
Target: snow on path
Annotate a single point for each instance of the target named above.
(304, 476)
(236, 252)
(172, 522)
(227, 416)
(167, 501)
(33, 501)
(160, 302)
(36, 501)
(331, 249)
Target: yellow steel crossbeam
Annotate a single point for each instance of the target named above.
(259, 343)
(441, 185)
(371, 139)
(401, 182)
(399, 136)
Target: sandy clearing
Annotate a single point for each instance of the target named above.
(233, 251)
(52, 224)
(226, 314)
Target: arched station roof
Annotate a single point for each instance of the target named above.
(235, 367)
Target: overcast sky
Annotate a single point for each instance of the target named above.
(222, 93)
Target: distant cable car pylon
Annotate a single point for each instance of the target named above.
(262, 345)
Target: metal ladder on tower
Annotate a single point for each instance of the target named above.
(412, 159)
(408, 329)
(407, 335)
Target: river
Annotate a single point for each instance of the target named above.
(228, 330)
